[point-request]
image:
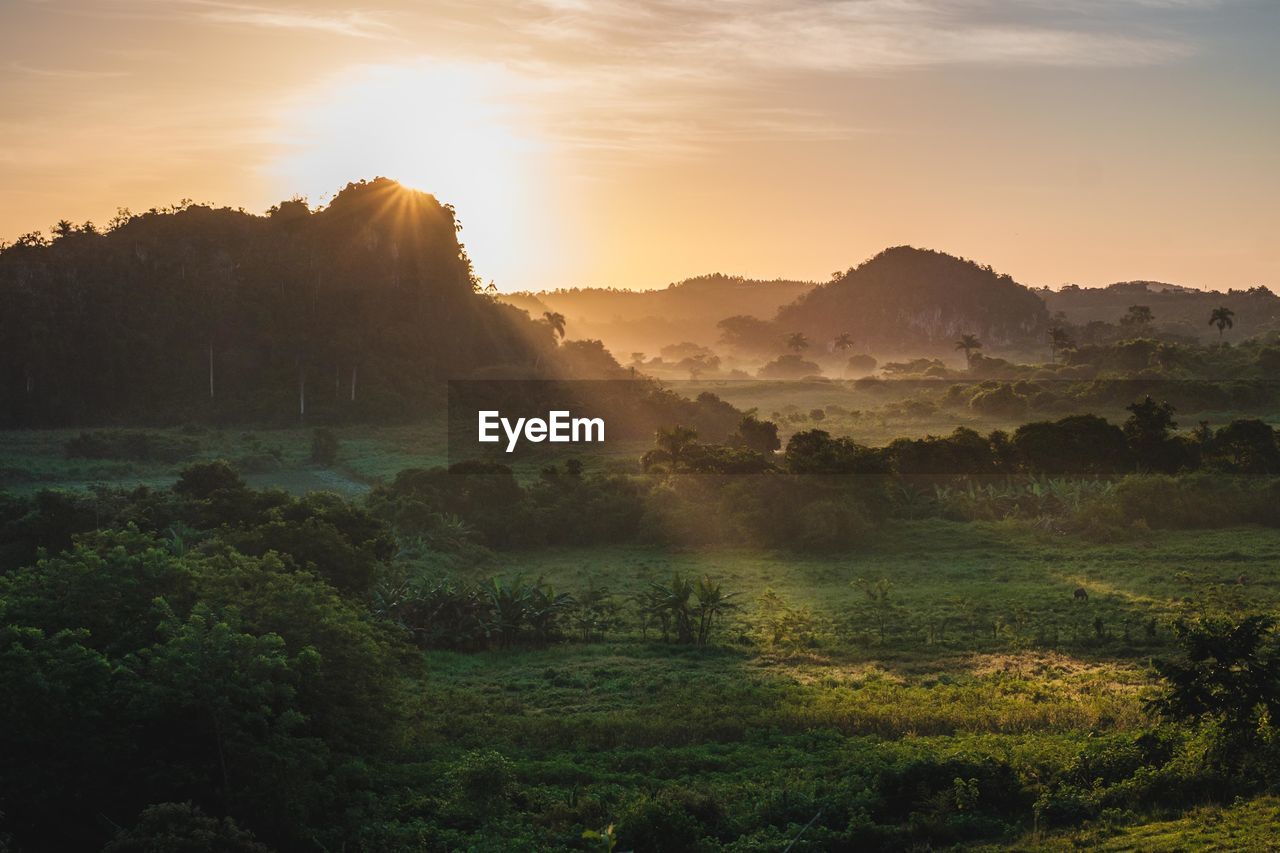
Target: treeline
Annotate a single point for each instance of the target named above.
(357, 310)
(1175, 312)
(1077, 445)
(1079, 473)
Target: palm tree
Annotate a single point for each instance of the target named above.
(1059, 340)
(797, 342)
(968, 343)
(1221, 317)
(555, 320)
(842, 341)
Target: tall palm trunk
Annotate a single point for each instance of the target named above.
(302, 390)
(211, 370)
(353, 383)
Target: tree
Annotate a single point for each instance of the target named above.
(556, 321)
(755, 434)
(1229, 674)
(1059, 340)
(789, 366)
(672, 444)
(797, 342)
(842, 342)
(968, 343)
(1138, 317)
(1147, 432)
(1221, 317)
(1076, 445)
(1246, 445)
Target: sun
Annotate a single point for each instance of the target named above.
(451, 130)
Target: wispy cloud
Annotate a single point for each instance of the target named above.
(354, 24)
(681, 76)
(845, 35)
(347, 22)
(66, 73)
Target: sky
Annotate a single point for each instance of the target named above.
(631, 144)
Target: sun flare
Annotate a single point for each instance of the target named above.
(449, 130)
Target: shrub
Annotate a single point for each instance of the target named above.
(484, 780)
(789, 366)
(183, 828)
(324, 447)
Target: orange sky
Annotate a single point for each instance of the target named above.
(634, 143)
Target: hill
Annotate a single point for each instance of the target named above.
(354, 310)
(645, 320)
(1176, 310)
(907, 300)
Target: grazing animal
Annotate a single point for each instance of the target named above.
(1242, 580)
(1081, 594)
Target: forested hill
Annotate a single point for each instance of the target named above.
(641, 320)
(354, 310)
(1174, 309)
(911, 300)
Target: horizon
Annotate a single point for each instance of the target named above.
(621, 145)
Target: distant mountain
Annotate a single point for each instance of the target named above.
(1176, 309)
(645, 320)
(908, 300)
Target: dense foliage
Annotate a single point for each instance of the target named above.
(351, 311)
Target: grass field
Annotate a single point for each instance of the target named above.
(978, 648)
(31, 460)
(755, 718)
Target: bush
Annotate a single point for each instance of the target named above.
(324, 447)
(673, 821)
(829, 525)
(789, 367)
(1001, 401)
(183, 828)
(206, 479)
(483, 780)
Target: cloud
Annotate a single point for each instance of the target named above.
(845, 35)
(674, 77)
(347, 22)
(355, 24)
(66, 73)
